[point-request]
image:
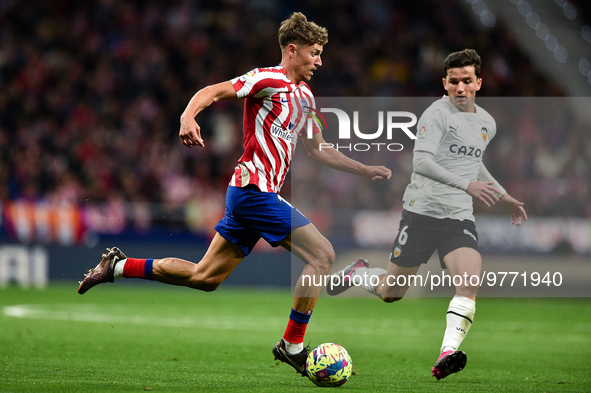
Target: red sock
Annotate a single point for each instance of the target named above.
(138, 268)
(296, 327)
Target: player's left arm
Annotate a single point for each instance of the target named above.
(321, 151)
(512, 205)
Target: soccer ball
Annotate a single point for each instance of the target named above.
(329, 365)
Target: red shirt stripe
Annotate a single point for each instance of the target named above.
(275, 114)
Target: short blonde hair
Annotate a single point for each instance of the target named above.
(297, 30)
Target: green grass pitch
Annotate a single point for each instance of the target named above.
(132, 338)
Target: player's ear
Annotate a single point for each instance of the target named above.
(291, 49)
(478, 84)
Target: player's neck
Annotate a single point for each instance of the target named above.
(291, 74)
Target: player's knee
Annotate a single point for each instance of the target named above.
(326, 258)
(321, 258)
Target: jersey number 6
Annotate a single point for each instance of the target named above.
(403, 236)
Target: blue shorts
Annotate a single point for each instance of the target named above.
(252, 214)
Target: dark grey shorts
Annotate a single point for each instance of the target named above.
(419, 236)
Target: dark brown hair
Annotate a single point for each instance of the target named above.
(466, 57)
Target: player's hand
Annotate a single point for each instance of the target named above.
(515, 209)
(483, 191)
(190, 132)
(379, 174)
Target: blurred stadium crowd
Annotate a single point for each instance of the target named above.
(91, 93)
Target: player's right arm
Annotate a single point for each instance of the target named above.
(333, 158)
(190, 132)
(483, 190)
(431, 130)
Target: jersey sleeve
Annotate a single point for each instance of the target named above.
(258, 83)
(244, 84)
(430, 128)
(424, 165)
(484, 175)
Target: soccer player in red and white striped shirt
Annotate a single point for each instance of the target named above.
(277, 102)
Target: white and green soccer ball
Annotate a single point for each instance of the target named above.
(329, 365)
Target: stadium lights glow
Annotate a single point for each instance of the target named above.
(585, 67)
(584, 64)
(542, 31)
(586, 33)
(570, 12)
(487, 18)
(568, 9)
(533, 20)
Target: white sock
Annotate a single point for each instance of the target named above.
(118, 269)
(367, 277)
(460, 315)
(292, 348)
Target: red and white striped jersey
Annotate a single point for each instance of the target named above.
(275, 113)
